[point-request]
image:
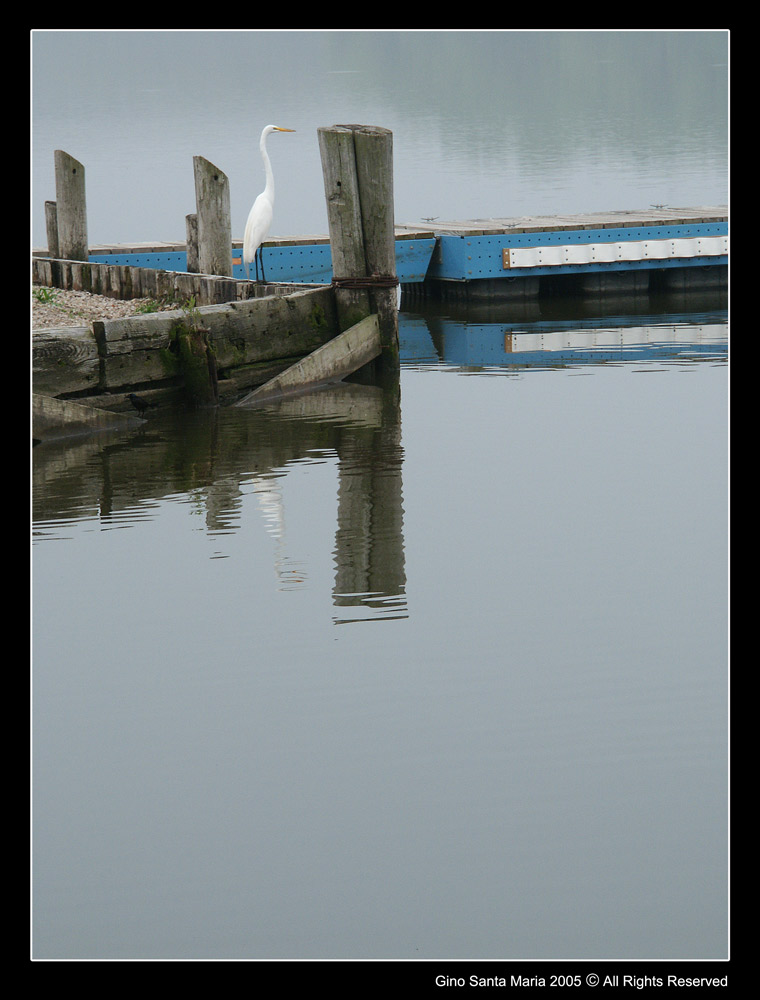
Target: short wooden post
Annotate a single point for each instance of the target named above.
(212, 199)
(357, 164)
(71, 207)
(191, 236)
(51, 228)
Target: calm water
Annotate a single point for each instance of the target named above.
(354, 678)
(484, 123)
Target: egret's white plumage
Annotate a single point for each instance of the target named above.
(260, 216)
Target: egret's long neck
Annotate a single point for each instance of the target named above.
(269, 189)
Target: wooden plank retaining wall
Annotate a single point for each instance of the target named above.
(253, 340)
(123, 281)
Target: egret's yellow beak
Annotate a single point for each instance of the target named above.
(278, 129)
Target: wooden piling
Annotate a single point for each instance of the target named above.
(336, 147)
(374, 162)
(71, 207)
(51, 228)
(193, 349)
(212, 199)
(191, 234)
(357, 165)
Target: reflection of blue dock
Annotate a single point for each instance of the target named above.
(443, 340)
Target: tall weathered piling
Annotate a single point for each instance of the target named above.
(71, 207)
(357, 164)
(212, 199)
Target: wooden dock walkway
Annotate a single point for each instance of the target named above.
(656, 215)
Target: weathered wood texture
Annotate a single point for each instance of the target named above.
(654, 216)
(191, 232)
(65, 360)
(71, 207)
(357, 166)
(212, 200)
(341, 182)
(331, 362)
(137, 351)
(374, 163)
(51, 228)
(122, 281)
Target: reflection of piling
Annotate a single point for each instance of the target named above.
(357, 163)
(369, 542)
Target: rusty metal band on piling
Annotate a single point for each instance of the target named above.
(367, 281)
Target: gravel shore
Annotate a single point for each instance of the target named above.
(53, 307)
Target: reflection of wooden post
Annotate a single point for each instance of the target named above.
(212, 200)
(369, 542)
(71, 207)
(357, 163)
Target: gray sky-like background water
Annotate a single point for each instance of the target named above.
(429, 681)
(484, 123)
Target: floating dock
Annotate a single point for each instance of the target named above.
(589, 253)
(293, 260)
(518, 247)
(503, 257)
(328, 305)
(522, 257)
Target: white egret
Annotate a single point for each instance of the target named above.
(260, 217)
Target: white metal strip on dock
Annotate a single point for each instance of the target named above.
(604, 253)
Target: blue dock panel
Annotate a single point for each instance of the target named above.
(297, 263)
(467, 257)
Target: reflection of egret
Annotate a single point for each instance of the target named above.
(270, 501)
(268, 492)
(260, 217)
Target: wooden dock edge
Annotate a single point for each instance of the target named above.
(125, 281)
(120, 355)
(339, 357)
